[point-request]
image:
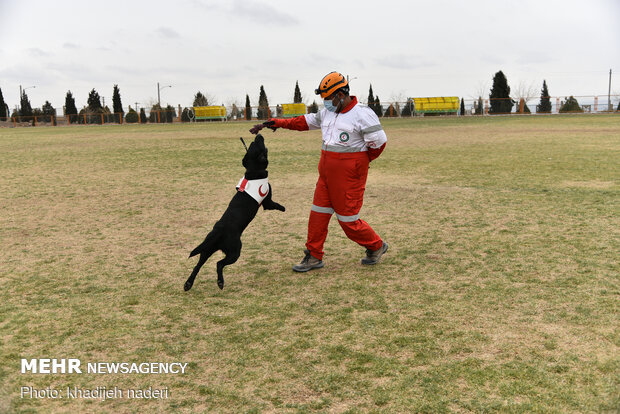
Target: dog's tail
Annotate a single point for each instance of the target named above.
(208, 243)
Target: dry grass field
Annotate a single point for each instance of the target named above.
(500, 292)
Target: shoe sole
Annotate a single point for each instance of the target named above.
(387, 246)
(307, 269)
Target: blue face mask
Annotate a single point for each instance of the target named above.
(329, 105)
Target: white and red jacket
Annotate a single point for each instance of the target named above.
(355, 129)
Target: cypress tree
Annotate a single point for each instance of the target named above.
(142, 116)
(132, 116)
(377, 107)
(185, 115)
(170, 114)
(200, 100)
(501, 103)
(371, 98)
(153, 115)
(263, 105)
(70, 109)
(462, 109)
(544, 106)
(297, 94)
(116, 101)
(94, 101)
(248, 108)
(571, 105)
(391, 111)
(314, 108)
(3, 108)
(25, 108)
(48, 113)
(408, 109)
(478, 109)
(374, 103)
(93, 109)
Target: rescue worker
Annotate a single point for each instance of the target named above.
(352, 137)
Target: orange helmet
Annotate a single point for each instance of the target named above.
(331, 83)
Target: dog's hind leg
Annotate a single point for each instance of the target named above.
(206, 249)
(207, 243)
(190, 280)
(232, 255)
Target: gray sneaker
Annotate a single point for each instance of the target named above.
(373, 256)
(309, 262)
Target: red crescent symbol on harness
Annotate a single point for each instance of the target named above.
(261, 193)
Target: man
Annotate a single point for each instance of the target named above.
(352, 137)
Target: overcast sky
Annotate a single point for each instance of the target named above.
(227, 49)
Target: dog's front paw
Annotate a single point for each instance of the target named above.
(220, 282)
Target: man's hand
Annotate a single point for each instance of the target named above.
(269, 124)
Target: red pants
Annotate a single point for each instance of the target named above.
(340, 189)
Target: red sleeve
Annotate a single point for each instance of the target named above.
(375, 152)
(298, 123)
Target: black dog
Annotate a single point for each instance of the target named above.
(252, 191)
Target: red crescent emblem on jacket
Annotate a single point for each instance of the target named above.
(261, 193)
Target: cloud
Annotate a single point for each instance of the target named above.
(263, 13)
(528, 57)
(37, 53)
(319, 59)
(168, 33)
(400, 61)
(72, 46)
(69, 73)
(254, 11)
(492, 59)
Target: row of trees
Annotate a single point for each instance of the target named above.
(46, 113)
(94, 112)
(502, 103)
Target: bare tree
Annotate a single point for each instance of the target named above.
(398, 98)
(233, 105)
(481, 90)
(524, 91)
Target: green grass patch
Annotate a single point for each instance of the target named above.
(499, 293)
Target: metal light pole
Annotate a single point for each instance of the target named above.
(610, 108)
(158, 95)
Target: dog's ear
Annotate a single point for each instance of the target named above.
(243, 142)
